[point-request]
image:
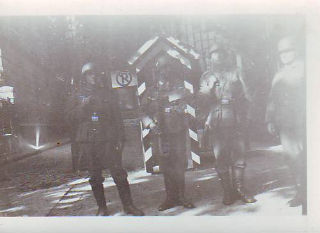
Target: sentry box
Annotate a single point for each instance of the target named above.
(141, 78)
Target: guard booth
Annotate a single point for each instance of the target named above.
(142, 63)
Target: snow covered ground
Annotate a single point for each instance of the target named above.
(267, 178)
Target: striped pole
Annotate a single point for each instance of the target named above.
(146, 138)
(192, 130)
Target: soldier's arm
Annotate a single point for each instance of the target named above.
(246, 92)
(70, 110)
(243, 97)
(269, 117)
(204, 97)
(76, 109)
(149, 108)
(208, 120)
(117, 116)
(149, 101)
(270, 109)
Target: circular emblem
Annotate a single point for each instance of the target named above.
(124, 78)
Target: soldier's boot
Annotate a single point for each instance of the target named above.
(238, 185)
(181, 194)
(228, 197)
(98, 193)
(185, 203)
(297, 200)
(102, 211)
(125, 196)
(171, 192)
(167, 204)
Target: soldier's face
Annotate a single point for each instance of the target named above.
(216, 57)
(287, 57)
(90, 77)
(163, 72)
(163, 85)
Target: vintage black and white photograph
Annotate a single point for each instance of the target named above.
(168, 115)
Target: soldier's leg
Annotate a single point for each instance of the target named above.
(119, 175)
(222, 154)
(167, 169)
(238, 168)
(293, 150)
(168, 161)
(180, 167)
(96, 179)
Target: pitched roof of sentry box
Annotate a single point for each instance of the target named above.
(168, 44)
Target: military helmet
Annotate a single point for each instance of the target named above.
(286, 44)
(87, 67)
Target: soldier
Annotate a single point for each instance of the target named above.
(100, 135)
(286, 111)
(73, 130)
(224, 93)
(166, 105)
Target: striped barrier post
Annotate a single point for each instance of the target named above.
(146, 138)
(192, 130)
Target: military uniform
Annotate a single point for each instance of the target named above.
(166, 105)
(225, 95)
(99, 131)
(173, 160)
(286, 110)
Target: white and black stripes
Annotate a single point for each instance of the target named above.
(193, 135)
(146, 143)
(146, 139)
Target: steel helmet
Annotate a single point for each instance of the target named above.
(87, 67)
(286, 44)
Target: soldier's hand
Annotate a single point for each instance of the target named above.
(207, 125)
(154, 128)
(152, 125)
(271, 128)
(182, 107)
(240, 75)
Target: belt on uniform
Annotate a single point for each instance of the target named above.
(173, 109)
(225, 101)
